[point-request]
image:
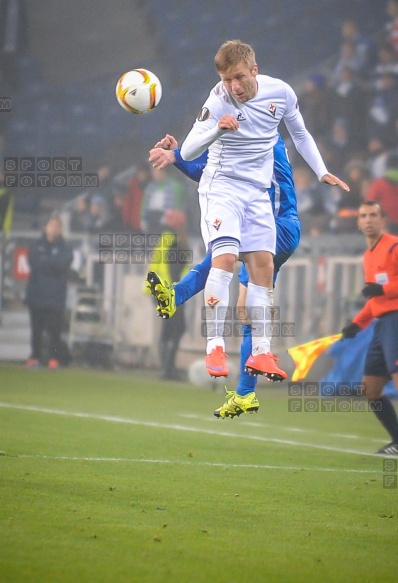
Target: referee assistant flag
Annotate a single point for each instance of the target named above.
(305, 355)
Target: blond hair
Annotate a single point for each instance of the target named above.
(232, 53)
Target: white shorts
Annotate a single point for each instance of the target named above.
(239, 210)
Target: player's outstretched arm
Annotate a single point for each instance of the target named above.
(335, 181)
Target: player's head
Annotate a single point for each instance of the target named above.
(233, 53)
(392, 8)
(371, 219)
(53, 228)
(235, 62)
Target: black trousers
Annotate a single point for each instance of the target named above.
(171, 334)
(49, 320)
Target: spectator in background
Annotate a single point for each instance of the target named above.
(315, 104)
(357, 176)
(384, 190)
(349, 101)
(98, 214)
(387, 61)
(162, 193)
(392, 25)
(6, 91)
(383, 107)
(377, 154)
(348, 59)
(115, 223)
(104, 173)
(100, 199)
(49, 259)
(394, 134)
(364, 47)
(315, 206)
(339, 145)
(80, 216)
(175, 222)
(132, 202)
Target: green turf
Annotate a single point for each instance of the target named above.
(117, 477)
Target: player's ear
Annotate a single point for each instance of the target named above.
(255, 70)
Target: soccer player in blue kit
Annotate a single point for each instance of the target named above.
(288, 228)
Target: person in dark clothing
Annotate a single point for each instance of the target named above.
(49, 259)
(174, 242)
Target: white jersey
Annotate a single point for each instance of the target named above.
(247, 154)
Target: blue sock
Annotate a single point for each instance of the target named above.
(193, 282)
(246, 383)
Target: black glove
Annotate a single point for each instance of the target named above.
(371, 290)
(351, 330)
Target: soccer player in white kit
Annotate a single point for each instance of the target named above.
(238, 124)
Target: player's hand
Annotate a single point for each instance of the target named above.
(160, 158)
(351, 330)
(371, 290)
(167, 143)
(335, 181)
(228, 122)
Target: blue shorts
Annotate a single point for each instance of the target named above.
(288, 231)
(382, 355)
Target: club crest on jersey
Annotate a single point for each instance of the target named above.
(212, 301)
(272, 109)
(240, 116)
(217, 223)
(203, 114)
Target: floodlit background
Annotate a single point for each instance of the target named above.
(60, 63)
(118, 476)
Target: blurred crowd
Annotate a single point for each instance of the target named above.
(152, 202)
(351, 109)
(352, 112)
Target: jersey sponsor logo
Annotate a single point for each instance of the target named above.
(217, 223)
(381, 278)
(203, 114)
(212, 301)
(272, 109)
(240, 117)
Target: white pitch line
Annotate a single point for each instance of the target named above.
(292, 429)
(207, 464)
(116, 419)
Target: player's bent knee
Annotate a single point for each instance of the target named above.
(225, 252)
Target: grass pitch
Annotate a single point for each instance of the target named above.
(115, 477)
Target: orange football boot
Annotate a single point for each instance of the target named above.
(265, 364)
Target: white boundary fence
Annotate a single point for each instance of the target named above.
(317, 292)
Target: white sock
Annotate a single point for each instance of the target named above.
(259, 302)
(216, 296)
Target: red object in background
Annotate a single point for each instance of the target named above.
(21, 268)
(321, 274)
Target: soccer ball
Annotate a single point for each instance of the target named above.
(138, 91)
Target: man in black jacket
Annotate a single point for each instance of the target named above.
(50, 259)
